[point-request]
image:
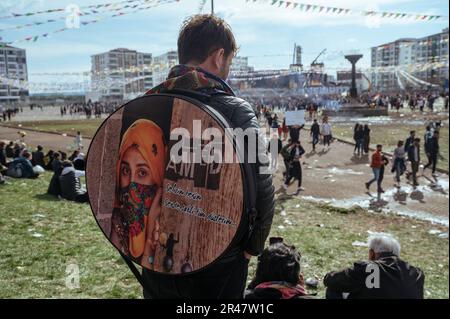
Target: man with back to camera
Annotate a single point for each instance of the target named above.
(206, 47)
(383, 276)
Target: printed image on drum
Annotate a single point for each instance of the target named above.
(168, 216)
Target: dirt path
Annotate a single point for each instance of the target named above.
(336, 176)
(47, 140)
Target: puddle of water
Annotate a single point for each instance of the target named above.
(340, 171)
(394, 208)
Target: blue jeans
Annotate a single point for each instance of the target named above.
(376, 176)
(359, 145)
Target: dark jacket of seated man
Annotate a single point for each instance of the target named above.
(397, 280)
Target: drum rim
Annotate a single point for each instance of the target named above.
(219, 118)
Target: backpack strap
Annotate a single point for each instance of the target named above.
(134, 270)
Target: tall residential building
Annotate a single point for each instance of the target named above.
(433, 48)
(413, 56)
(162, 65)
(13, 66)
(389, 55)
(119, 73)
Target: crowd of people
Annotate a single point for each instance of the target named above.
(8, 113)
(408, 151)
(18, 161)
(417, 100)
(89, 109)
(287, 140)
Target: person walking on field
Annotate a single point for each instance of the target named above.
(399, 166)
(432, 151)
(366, 139)
(295, 170)
(384, 163)
(414, 158)
(375, 164)
(315, 133)
(359, 137)
(326, 132)
(355, 130)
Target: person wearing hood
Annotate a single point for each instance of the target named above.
(21, 167)
(69, 181)
(80, 162)
(278, 274)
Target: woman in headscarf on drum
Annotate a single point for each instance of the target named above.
(139, 179)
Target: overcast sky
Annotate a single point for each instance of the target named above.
(261, 30)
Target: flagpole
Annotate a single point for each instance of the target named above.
(212, 7)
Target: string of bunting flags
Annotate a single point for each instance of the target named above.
(84, 23)
(94, 6)
(103, 83)
(242, 75)
(306, 7)
(86, 12)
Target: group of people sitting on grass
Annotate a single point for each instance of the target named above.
(383, 276)
(17, 161)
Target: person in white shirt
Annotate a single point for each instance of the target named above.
(326, 132)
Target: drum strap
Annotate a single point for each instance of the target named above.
(134, 270)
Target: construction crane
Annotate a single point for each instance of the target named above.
(313, 63)
(314, 76)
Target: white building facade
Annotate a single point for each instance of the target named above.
(121, 73)
(424, 58)
(162, 65)
(13, 67)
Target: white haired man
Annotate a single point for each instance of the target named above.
(383, 276)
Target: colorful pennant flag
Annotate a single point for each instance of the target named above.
(305, 7)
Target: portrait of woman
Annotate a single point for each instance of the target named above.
(139, 178)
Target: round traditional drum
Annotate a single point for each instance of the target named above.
(164, 183)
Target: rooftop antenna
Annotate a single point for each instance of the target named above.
(293, 55)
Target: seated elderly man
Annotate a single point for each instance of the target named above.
(384, 275)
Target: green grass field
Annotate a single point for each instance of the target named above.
(42, 235)
(389, 134)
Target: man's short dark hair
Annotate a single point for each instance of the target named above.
(201, 35)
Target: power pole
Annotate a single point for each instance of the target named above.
(212, 7)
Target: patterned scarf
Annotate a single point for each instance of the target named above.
(190, 78)
(136, 200)
(288, 291)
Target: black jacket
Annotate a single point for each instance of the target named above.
(294, 133)
(411, 153)
(209, 283)
(408, 143)
(315, 129)
(432, 147)
(38, 158)
(70, 185)
(398, 280)
(3, 157)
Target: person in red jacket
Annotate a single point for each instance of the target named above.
(376, 166)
